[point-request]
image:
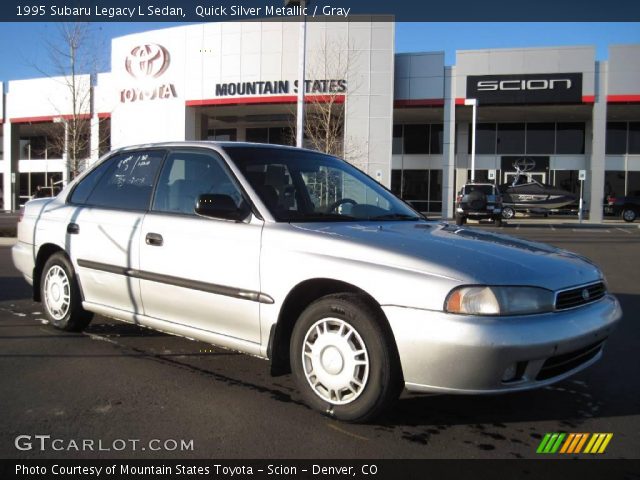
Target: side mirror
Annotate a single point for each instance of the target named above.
(220, 206)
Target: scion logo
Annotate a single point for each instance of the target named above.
(549, 88)
(537, 84)
(150, 60)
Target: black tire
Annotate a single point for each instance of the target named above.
(508, 212)
(383, 383)
(629, 215)
(460, 220)
(72, 317)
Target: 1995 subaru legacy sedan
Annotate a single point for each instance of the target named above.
(300, 258)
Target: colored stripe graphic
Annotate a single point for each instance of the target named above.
(550, 443)
(568, 443)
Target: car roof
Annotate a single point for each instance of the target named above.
(208, 143)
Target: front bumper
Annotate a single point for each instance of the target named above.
(442, 352)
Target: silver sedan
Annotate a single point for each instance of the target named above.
(301, 259)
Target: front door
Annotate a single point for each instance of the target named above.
(195, 271)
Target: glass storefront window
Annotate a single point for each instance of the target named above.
(257, 135)
(485, 138)
(616, 143)
(396, 182)
(416, 139)
(511, 138)
(633, 184)
(614, 183)
(541, 138)
(567, 180)
(436, 139)
(222, 134)
(634, 138)
(570, 138)
(396, 144)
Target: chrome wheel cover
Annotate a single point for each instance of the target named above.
(335, 361)
(57, 292)
(508, 213)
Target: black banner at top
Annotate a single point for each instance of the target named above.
(546, 88)
(331, 10)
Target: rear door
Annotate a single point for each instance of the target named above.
(195, 271)
(103, 230)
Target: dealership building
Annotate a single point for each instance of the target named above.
(404, 118)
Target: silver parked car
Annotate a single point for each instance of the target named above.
(300, 258)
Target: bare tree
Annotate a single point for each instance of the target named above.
(74, 60)
(325, 101)
(329, 76)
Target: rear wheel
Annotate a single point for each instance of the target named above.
(343, 359)
(60, 295)
(508, 213)
(629, 214)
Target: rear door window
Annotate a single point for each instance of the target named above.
(127, 183)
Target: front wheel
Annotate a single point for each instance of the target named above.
(629, 215)
(344, 360)
(60, 295)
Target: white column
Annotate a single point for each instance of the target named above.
(595, 174)
(95, 139)
(8, 154)
(448, 143)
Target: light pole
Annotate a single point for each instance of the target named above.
(302, 48)
(474, 104)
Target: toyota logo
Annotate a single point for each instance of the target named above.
(524, 164)
(150, 60)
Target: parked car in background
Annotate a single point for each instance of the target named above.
(627, 207)
(300, 258)
(479, 201)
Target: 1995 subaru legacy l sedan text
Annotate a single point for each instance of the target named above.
(300, 258)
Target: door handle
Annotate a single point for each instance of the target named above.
(73, 229)
(154, 239)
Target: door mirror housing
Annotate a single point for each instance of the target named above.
(220, 206)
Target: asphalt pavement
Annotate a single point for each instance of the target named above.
(120, 382)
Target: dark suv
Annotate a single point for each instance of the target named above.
(626, 207)
(479, 201)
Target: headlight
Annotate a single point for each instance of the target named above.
(482, 300)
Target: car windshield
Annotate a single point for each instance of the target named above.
(303, 186)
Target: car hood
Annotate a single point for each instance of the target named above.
(464, 254)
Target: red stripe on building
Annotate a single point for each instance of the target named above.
(272, 99)
(47, 118)
(460, 101)
(588, 99)
(623, 98)
(104, 115)
(423, 102)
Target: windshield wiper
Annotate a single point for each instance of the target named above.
(395, 216)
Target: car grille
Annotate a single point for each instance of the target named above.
(576, 296)
(566, 362)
